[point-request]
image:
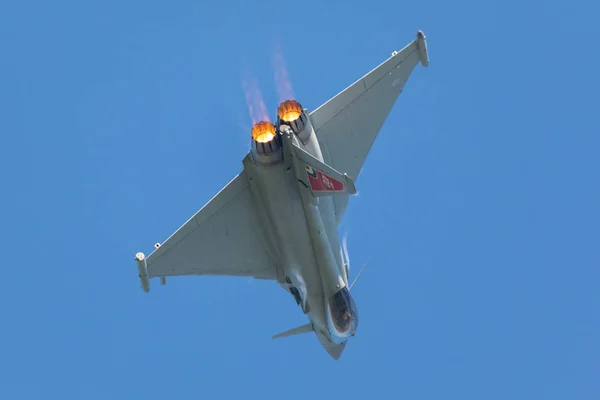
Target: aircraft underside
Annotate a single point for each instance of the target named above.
(279, 216)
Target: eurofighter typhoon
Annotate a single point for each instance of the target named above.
(278, 218)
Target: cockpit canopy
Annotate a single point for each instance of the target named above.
(343, 314)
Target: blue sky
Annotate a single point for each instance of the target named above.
(478, 205)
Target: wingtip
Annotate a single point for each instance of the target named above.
(422, 43)
(143, 271)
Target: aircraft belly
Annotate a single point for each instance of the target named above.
(320, 215)
(281, 199)
(327, 210)
(330, 277)
(303, 231)
(322, 224)
(326, 207)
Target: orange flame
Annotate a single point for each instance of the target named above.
(282, 79)
(263, 132)
(254, 100)
(289, 110)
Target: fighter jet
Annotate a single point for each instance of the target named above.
(278, 218)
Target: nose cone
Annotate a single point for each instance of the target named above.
(335, 350)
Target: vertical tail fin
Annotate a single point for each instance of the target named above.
(322, 178)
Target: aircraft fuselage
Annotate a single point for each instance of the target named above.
(303, 233)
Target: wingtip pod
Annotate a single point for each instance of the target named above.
(140, 259)
(422, 43)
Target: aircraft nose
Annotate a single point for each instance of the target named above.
(335, 350)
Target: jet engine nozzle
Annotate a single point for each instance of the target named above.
(290, 113)
(289, 110)
(263, 132)
(266, 143)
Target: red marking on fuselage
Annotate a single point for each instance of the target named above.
(321, 182)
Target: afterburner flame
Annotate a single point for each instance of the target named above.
(289, 110)
(263, 132)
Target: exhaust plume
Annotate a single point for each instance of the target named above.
(282, 79)
(254, 100)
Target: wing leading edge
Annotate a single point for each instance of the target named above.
(348, 124)
(222, 238)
